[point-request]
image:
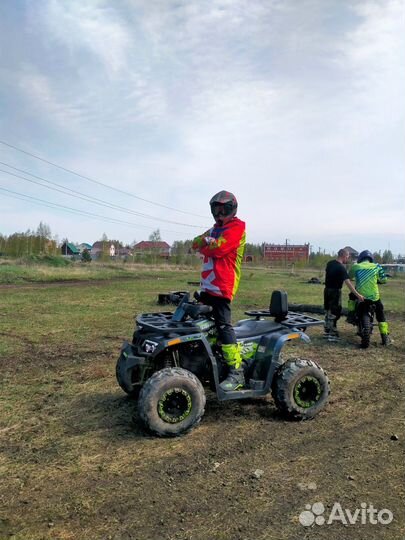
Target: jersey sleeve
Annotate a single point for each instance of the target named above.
(228, 241)
(382, 278)
(199, 241)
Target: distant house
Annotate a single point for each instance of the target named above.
(84, 246)
(353, 254)
(111, 249)
(68, 249)
(97, 249)
(124, 253)
(285, 253)
(162, 249)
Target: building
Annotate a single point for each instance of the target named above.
(84, 246)
(124, 253)
(285, 253)
(162, 249)
(353, 254)
(68, 249)
(106, 247)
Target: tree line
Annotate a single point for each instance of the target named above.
(30, 242)
(41, 242)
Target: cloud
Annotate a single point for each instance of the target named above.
(93, 28)
(296, 106)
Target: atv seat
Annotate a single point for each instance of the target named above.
(279, 305)
(250, 328)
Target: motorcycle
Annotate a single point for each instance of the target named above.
(363, 319)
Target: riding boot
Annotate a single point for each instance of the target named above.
(330, 321)
(385, 338)
(351, 312)
(236, 378)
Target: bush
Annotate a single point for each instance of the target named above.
(50, 260)
(86, 257)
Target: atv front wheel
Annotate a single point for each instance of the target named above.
(301, 389)
(171, 402)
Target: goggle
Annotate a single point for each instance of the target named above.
(220, 209)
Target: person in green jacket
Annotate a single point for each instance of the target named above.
(367, 276)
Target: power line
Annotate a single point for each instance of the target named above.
(84, 197)
(97, 181)
(23, 197)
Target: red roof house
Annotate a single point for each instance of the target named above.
(152, 248)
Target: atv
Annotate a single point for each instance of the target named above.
(174, 355)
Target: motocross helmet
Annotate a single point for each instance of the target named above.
(366, 254)
(223, 207)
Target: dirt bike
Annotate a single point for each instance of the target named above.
(363, 319)
(172, 355)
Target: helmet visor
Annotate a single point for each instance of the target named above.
(221, 210)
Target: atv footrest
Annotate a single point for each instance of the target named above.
(254, 384)
(240, 394)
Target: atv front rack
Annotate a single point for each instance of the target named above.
(291, 319)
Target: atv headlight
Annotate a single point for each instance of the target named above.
(149, 346)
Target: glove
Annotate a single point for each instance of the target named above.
(209, 240)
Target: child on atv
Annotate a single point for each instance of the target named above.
(223, 246)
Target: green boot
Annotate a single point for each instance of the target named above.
(351, 312)
(385, 338)
(236, 378)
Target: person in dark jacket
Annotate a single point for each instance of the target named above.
(335, 275)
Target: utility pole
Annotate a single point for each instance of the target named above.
(285, 252)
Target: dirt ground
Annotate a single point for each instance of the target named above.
(76, 465)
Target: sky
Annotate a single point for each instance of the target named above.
(297, 107)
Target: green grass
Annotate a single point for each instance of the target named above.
(75, 464)
(24, 272)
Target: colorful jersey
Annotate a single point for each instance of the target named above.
(223, 249)
(367, 276)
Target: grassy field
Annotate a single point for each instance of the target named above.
(75, 464)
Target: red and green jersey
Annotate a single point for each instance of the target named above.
(223, 249)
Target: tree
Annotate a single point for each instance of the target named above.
(86, 257)
(387, 257)
(44, 234)
(44, 231)
(155, 236)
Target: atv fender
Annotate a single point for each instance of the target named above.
(128, 362)
(276, 360)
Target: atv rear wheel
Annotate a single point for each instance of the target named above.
(365, 333)
(301, 389)
(171, 402)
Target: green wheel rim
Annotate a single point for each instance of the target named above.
(307, 392)
(175, 405)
